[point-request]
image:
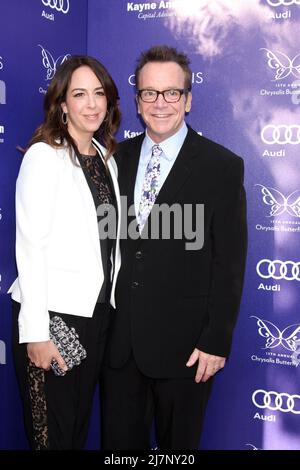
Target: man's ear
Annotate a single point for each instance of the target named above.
(137, 104)
(188, 103)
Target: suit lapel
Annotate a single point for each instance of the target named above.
(177, 177)
(180, 171)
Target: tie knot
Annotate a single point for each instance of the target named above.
(156, 150)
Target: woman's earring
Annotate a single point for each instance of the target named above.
(64, 118)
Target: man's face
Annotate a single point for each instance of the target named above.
(161, 118)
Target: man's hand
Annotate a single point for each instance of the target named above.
(208, 364)
(42, 353)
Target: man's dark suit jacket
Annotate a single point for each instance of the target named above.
(170, 300)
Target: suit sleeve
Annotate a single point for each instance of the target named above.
(229, 247)
(36, 193)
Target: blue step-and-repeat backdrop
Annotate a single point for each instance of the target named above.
(245, 58)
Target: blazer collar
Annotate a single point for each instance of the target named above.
(181, 169)
(178, 175)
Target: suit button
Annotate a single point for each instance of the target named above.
(138, 255)
(135, 284)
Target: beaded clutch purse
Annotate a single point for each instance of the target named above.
(67, 342)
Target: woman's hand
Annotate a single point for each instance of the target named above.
(42, 353)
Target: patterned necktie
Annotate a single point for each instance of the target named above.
(150, 185)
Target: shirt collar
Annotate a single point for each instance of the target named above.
(170, 146)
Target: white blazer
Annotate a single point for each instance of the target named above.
(57, 241)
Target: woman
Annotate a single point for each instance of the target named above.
(66, 178)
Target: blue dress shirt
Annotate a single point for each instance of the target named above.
(170, 148)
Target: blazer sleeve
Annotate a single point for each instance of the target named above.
(229, 247)
(36, 193)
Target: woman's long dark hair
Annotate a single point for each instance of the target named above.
(53, 131)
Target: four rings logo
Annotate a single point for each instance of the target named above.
(281, 134)
(58, 5)
(287, 3)
(50, 64)
(279, 204)
(276, 401)
(282, 64)
(289, 337)
(288, 270)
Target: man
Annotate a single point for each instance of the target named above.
(176, 305)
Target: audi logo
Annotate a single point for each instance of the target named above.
(281, 134)
(287, 3)
(276, 401)
(277, 269)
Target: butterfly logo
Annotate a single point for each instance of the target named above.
(50, 64)
(274, 337)
(279, 203)
(282, 64)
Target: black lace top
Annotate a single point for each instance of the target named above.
(98, 173)
(100, 184)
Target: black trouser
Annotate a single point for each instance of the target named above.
(129, 400)
(57, 409)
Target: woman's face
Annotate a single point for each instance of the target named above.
(85, 104)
